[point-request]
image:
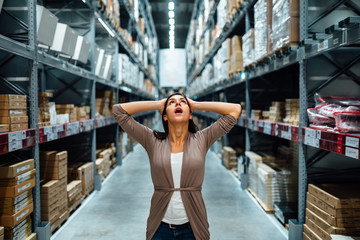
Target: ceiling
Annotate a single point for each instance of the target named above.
(183, 12)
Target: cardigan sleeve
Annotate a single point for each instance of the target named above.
(139, 132)
(221, 127)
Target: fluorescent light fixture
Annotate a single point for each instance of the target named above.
(84, 1)
(172, 33)
(172, 27)
(171, 5)
(106, 27)
(171, 37)
(171, 21)
(171, 14)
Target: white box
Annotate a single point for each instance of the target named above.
(64, 40)
(99, 61)
(62, 118)
(108, 67)
(45, 25)
(52, 110)
(82, 50)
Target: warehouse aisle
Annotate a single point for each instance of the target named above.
(120, 209)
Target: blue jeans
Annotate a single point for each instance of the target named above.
(166, 233)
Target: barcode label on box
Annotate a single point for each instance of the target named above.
(16, 136)
(15, 146)
(261, 124)
(24, 177)
(267, 128)
(314, 142)
(352, 152)
(24, 187)
(352, 142)
(18, 207)
(22, 169)
(22, 215)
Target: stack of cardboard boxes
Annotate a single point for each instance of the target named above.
(292, 109)
(81, 113)
(74, 194)
(83, 172)
(53, 168)
(16, 181)
(262, 19)
(103, 100)
(1, 233)
(229, 159)
(332, 209)
(256, 114)
(44, 108)
(13, 115)
(67, 109)
(248, 47)
(276, 112)
(236, 61)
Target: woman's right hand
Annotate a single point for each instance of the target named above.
(162, 105)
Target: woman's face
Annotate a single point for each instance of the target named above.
(177, 110)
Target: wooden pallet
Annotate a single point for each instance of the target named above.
(233, 170)
(76, 205)
(267, 210)
(58, 223)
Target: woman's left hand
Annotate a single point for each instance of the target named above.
(192, 104)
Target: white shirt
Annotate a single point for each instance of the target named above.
(175, 213)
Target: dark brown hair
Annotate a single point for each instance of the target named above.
(162, 135)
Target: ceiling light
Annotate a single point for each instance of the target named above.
(171, 32)
(84, 1)
(172, 27)
(171, 14)
(172, 37)
(106, 27)
(171, 5)
(171, 21)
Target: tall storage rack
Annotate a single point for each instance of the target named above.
(27, 69)
(326, 61)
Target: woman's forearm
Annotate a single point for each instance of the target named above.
(219, 107)
(141, 106)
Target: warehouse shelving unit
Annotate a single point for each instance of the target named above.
(71, 82)
(326, 62)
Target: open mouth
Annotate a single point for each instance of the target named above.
(178, 110)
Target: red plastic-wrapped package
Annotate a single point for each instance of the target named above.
(347, 121)
(318, 119)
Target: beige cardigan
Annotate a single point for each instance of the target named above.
(192, 173)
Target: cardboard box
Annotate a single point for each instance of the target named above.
(4, 127)
(82, 50)
(64, 40)
(11, 201)
(13, 105)
(11, 112)
(14, 119)
(338, 213)
(312, 235)
(32, 237)
(334, 221)
(10, 210)
(337, 195)
(15, 168)
(305, 236)
(45, 25)
(10, 98)
(13, 191)
(12, 220)
(19, 126)
(20, 231)
(5, 182)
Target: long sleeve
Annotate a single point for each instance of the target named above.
(221, 127)
(139, 132)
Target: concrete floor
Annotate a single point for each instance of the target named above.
(121, 208)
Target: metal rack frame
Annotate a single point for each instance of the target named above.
(41, 59)
(312, 45)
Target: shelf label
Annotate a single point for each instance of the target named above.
(267, 128)
(311, 133)
(24, 187)
(16, 136)
(59, 128)
(276, 130)
(323, 45)
(311, 141)
(286, 134)
(261, 124)
(352, 152)
(241, 122)
(286, 60)
(352, 142)
(22, 215)
(15, 146)
(250, 124)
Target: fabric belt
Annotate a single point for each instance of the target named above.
(174, 226)
(165, 189)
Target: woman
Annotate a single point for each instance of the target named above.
(177, 161)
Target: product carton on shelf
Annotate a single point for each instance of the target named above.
(45, 26)
(1, 228)
(262, 19)
(74, 192)
(108, 67)
(13, 220)
(49, 201)
(229, 159)
(67, 109)
(53, 165)
(82, 50)
(285, 24)
(83, 172)
(21, 231)
(237, 63)
(248, 47)
(13, 169)
(64, 40)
